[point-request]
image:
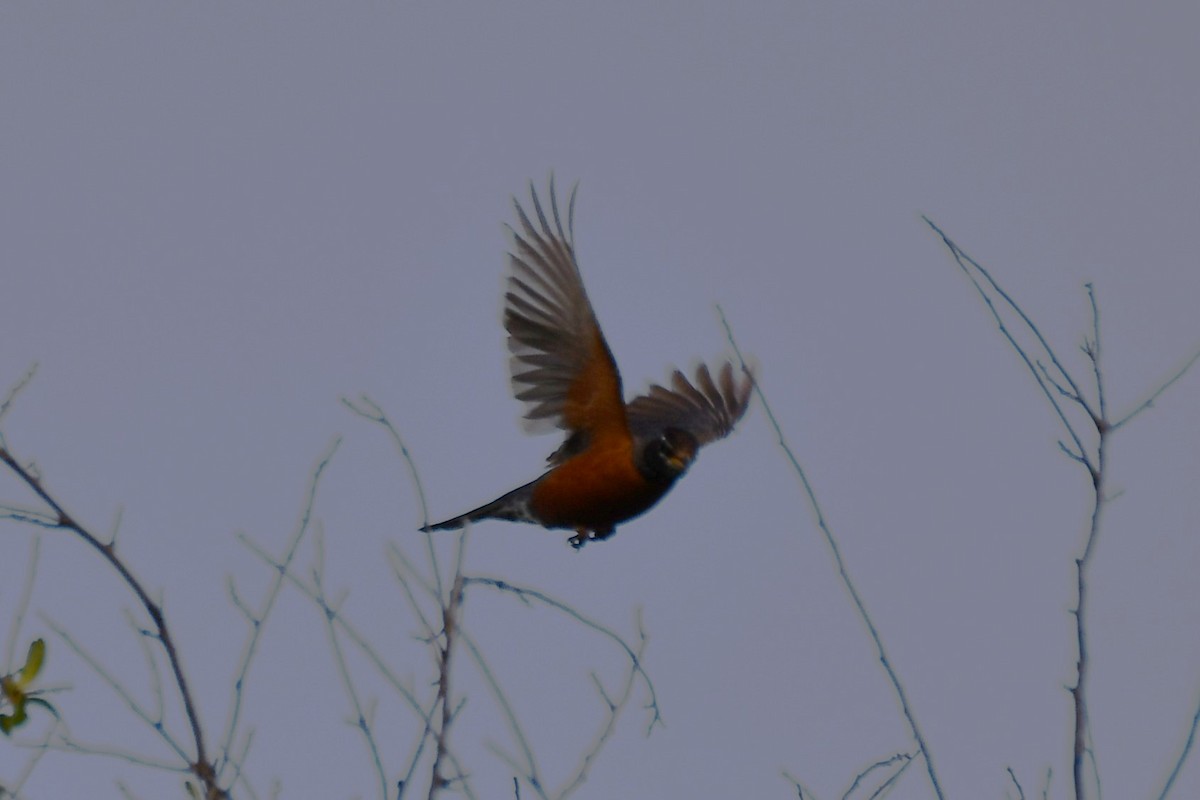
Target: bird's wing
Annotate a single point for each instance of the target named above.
(561, 366)
(708, 410)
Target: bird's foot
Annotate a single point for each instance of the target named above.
(583, 536)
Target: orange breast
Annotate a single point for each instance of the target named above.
(595, 490)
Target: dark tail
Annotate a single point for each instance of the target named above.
(513, 507)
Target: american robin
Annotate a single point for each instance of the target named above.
(618, 458)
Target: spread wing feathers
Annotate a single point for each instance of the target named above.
(561, 366)
(708, 410)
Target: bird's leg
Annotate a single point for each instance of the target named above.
(583, 536)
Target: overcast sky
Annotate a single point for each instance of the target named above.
(219, 219)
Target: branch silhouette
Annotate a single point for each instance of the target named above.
(198, 762)
(1055, 383)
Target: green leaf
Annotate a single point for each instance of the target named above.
(33, 662)
(10, 721)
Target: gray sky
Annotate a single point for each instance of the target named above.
(219, 219)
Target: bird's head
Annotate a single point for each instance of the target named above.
(668, 455)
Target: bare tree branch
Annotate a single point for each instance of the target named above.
(1183, 755)
(1094, 462)
(1167, 384)
(18, 620)
(339, 657)
(843, 571)
(201, 767)
(257, 619)
(369, 410)
(903, 759)
(451, 614)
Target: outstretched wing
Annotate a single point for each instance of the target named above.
(708, 410)
(561, 366)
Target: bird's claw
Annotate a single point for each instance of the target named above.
(583, 536)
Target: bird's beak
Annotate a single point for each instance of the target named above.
(681, 461)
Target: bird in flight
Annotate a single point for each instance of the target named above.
(618, 459)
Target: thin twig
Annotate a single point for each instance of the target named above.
(339, 657)
(404, 570)
(451, 615)
(801, 792)
(525, 594)
(258, 618)
(360, 641)
(887, 785)
(1095, 468)
(529, 769)
(1013, 777)
(18, 620)
(1083, 749)
(68, 744)
(843, 572)
(1183, 755)
(1167, 384)
(11, 395)
(959, 256)
(904, 758)
(965, 262)
(201, 767)
(613, 707)
(369, 410)
(156, 689)
(39, 753)
(352, 633)
(155, 722)
(1079, 690)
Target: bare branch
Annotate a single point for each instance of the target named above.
(1071, 454)
(529, 770)
(369, 410)
(201, 767)
(1093, 352)
(15, 390)
(344, 625)
(451, 614)
(1183, 755)
(405, 572)
(1013, 776)
(256, 619)
(155, 722)
(347, 681)
(67, 744)
(1149, 401)
(613, 706)
(887, 785)
(1080, 749)
(966, 264)
(28, 516)
(801, 792)
(1063, 390)
(963, 260)
(843, 572)
(903, 759)
(39, 751)
(526, 594)
(18, 620)
(363, 645)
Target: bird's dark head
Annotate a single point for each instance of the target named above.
(668, 455)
